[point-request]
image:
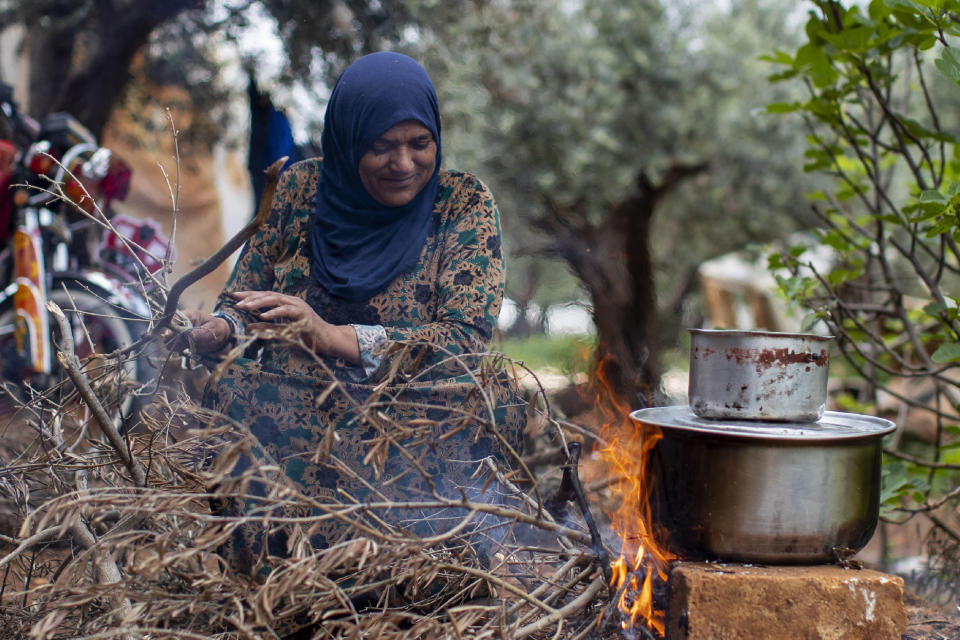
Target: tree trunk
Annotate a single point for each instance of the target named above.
(617, 271)
(100, 71)
(50, 50)
(522, 295)
(613, 261)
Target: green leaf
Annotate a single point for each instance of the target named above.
(839, 276)
(952, 429)
(932, 195)
(809, 321)
(919, 131)
(910, 14)
(783, 107)
(778, 57)
(949, 64)
(836, 240)
(926, 209)
(815, 62)
(942, 226)
(894, 482)
(850, 191)
(780, 77)
(855, 40)
(933, 309)
(948, 352)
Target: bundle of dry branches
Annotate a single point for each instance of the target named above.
(115, 538)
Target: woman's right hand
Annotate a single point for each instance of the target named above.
(209, 333)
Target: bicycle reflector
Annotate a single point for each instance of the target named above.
(115, 185)
(40, 158)
(81, 195)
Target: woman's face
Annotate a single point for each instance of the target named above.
(399, 163)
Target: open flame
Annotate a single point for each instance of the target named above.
(626, 458)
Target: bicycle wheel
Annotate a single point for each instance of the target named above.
(98, 330)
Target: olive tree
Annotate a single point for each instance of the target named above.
(624, 142)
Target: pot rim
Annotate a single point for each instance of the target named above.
(834, 426)
(762, 333)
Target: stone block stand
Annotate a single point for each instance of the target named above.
(737, 601)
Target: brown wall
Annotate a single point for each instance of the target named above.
(210, 181)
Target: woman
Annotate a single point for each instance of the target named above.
(389, 271)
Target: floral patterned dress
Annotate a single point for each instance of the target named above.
(423, 385)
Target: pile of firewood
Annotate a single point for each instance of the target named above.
(115, 537)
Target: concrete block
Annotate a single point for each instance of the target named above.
(711, 601)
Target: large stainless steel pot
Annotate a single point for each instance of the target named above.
(758, 375)
(765, 492)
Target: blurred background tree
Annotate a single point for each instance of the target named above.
(624, 141)
(80, 51)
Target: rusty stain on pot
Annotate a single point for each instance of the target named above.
(739, 374)
(769, 358)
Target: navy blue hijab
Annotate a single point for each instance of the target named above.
(359, 245)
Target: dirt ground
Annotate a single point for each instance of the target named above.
(927, 622)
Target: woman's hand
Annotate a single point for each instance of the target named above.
(274, 308)
(209, 333)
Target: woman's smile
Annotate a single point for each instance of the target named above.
(399, 163)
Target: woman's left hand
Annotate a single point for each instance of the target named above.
(274, 308)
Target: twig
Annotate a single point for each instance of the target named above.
(26, 543)
(575, 606)
(571, 489)
(106, 568)
(920, 461)
(536, 593)
(503, 584)
(68, 359)
(234, 243)
(943, 526)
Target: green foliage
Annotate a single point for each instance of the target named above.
(562, 106)
(565, 354)
(881, 82)
(946, 353)
(899, 482)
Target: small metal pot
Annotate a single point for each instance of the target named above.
(758, 375)
(765, 492)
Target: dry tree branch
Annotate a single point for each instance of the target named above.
(920, 461)
(30, 542)
(224, 252)
(558, 616)
(68, 359)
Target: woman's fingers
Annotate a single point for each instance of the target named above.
(209, 333)
(256, 299)
(273, 306)
(250, 300)
(176, 339)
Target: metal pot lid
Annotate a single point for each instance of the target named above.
(754, 333)
(834, 425)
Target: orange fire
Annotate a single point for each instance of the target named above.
(625, 459)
